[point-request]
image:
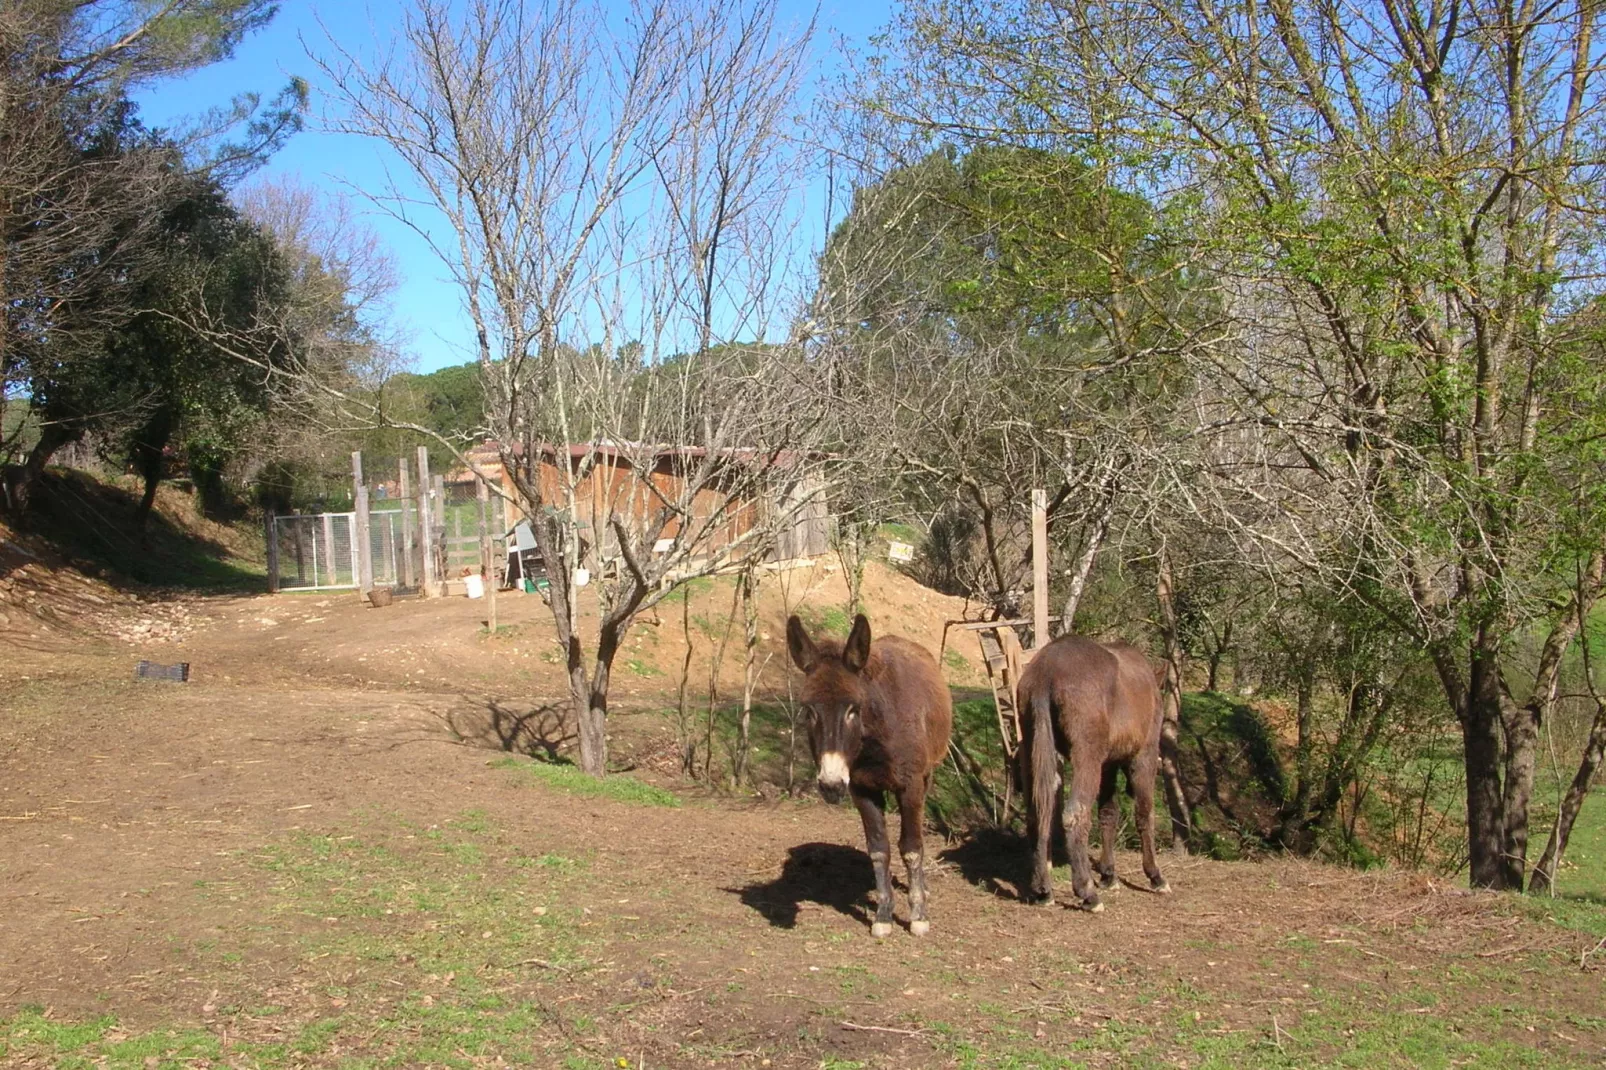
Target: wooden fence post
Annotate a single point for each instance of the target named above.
(331, 565)
(426, 536)
(487, 558)
(365, 561)
(404, 567)
(437, 519)
(273, 554)
(1040, 635)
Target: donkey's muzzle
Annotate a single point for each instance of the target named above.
(833, 779)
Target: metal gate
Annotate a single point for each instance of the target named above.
(315, 550)
(385, 546)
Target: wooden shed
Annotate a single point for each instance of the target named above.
(632, 482)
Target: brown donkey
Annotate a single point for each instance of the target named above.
(879, 721)
(1099, 703)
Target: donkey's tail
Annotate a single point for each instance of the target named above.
(1044, 761)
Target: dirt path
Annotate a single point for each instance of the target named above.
(292, 861)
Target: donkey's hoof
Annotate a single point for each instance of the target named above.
(881, 928)
(1039, 899)
(1108, 883)
(1093, 906)
(1160, 887)
(919, 928)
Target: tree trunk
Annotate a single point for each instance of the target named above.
(1521, 725)
(21, 479)
(594, 725)
(749, 677)
(149, 449)
(1363, 723)
(688, 749)
(1219, 647)
(1291, 824)
(715, 663)
(589, 719)
(1084, 568)
(147, 501)
(850, 551)
(1176, 798)
(1542, 700)
(1480, 741)
(1544, 875)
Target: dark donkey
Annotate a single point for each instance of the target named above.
(1099, 703)
(880, 721)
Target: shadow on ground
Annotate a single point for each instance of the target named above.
(93, 523)
(539, 731)
(830, 874)
(995, 860)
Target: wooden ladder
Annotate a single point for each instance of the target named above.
(1002, 654)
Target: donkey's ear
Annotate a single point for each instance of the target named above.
(804, 656)
(856, 651)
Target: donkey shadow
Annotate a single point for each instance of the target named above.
(830, 874)
(999, 860)
(996, 860)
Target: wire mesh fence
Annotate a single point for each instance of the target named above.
(312, 551)
(458, 524)
(315, 550)
(398, 552)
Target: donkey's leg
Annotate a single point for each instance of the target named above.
(1080, 793)
(1041, 763)
(912, 845)
(1140, 782)
(1109, 818)
(873, 811)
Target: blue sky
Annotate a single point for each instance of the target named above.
(428, 310)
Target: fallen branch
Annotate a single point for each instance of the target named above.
(883, 1029)
(545, 965)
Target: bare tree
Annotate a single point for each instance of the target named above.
(612, 196)
(1406, 198)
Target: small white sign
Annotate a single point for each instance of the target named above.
(900, 552)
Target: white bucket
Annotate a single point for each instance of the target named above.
(582, 576)
(474, 586)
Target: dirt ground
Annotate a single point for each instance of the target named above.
(313, 854)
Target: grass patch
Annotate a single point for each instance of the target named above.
(896, 531)
(571, 779)
(32, 1037)
(682, 591)
(427, 939)
(641, 668)
(1585, 914)
(825, 620)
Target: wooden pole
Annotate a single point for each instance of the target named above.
(427, 578)
(331, 566)
(404, 568)
(487, 560)
(1039, 568)
(437, 519)
(273, 554)
(365, 559)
